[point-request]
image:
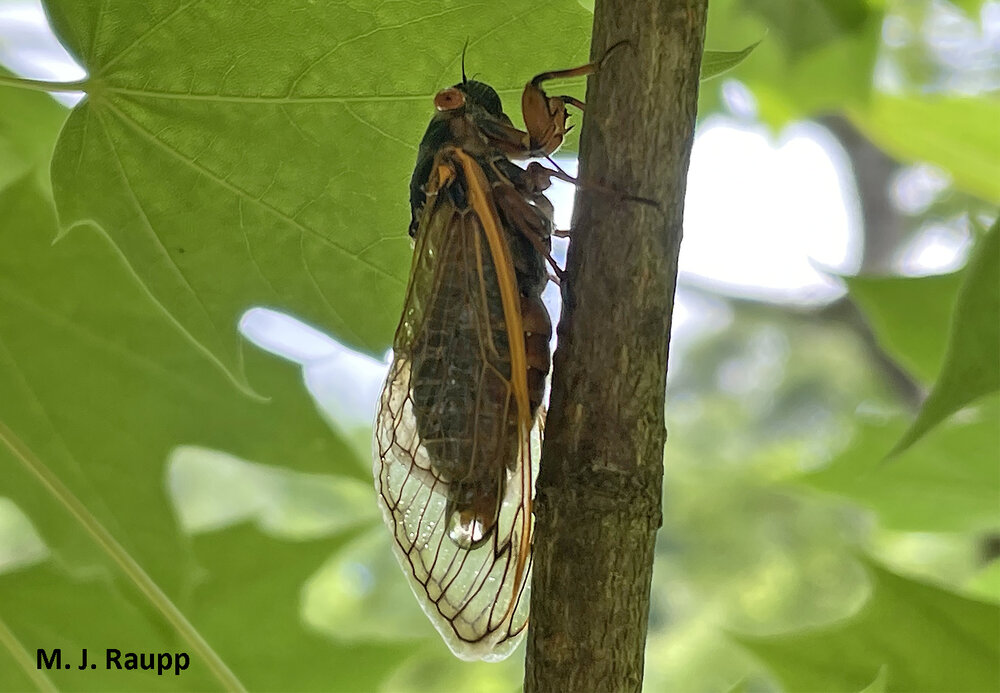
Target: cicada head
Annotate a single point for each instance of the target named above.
(482, 96)
(469, 100)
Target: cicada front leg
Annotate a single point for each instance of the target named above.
(545, 116)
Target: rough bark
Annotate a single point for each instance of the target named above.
(598, 494)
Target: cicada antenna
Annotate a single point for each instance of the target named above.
(464, 49)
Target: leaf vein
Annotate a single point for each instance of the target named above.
(373, 126)
(149, 226)
(138, 40)
(312, 278)
(240, 192)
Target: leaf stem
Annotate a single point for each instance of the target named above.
(42, 85)
(121, 557)
(23, 659)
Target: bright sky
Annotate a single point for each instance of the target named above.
(764, 216)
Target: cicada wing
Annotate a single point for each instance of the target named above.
(474, 597)
(475, 592)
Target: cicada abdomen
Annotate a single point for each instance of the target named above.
(456, 433)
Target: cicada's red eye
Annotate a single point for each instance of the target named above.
(449, 99)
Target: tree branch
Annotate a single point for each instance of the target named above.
(598, 494)
(882, 225)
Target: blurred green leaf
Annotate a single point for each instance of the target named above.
(878, 685)
(927, 638)
(44, 607)
(243, 156)
(970, 7)
(436, 669)
(972, 359)
(959, 134)
(828, 69)
(910, 317)
(29, 122)
(986, 584)
(360, 595)
(833, 76)
(738, 687)
(804, 25)
(739, 550)
(101, 387)
(946, 483)
(249, 608)
(714, 63)
(250, 604)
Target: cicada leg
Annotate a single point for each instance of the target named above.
(539, 179)
(545, 116)
(533, 221)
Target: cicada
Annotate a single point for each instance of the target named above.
(457, 428)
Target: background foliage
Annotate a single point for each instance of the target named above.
(166, 486)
